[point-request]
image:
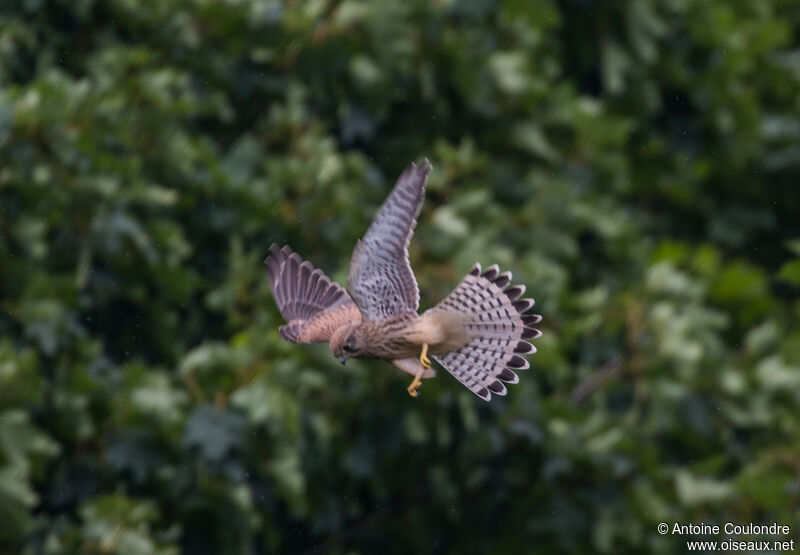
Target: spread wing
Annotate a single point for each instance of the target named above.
(313, 306)
(380, 278)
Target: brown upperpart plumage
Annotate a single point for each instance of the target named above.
(477, 333)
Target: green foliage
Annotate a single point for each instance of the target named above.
(635, 164)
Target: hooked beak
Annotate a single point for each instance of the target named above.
(342, 360)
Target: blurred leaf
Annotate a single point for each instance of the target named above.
(23, 448)
(120, 524)
(790, 272)
(215, 433)
(694, 490)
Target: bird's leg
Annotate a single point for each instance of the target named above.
(425, 364)
(423, 357)
(413, 389)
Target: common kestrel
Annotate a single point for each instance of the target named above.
(477, 333)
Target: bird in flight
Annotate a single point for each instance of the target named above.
(477, 333)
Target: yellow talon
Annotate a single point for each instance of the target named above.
(425, 362)
(423, 357)
(413, 389)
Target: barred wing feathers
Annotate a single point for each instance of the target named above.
(312, 305)
(381, 280)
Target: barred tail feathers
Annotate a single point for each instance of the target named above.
(499, 327)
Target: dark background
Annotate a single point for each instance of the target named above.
(635, 164)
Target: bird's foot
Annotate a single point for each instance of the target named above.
(425, 362)
(413, 389)
(423, 357)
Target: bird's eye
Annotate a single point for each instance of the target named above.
(347, 347)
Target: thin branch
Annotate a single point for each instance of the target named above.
(596, 380)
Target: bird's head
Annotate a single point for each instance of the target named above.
(346, 342)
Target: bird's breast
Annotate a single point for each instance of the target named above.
(403, 337)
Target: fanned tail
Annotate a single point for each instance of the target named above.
(499, 327)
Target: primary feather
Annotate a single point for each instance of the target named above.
(312, 305)
(381, 280)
